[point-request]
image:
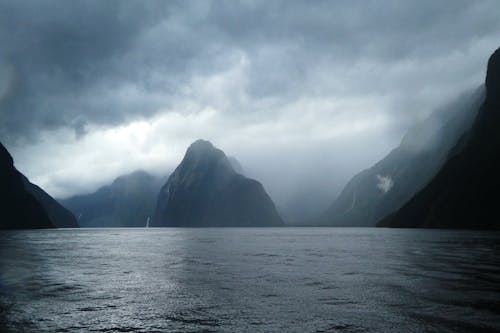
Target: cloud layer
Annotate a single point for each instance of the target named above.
(303, 93)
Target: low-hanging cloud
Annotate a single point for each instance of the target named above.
(384, 183)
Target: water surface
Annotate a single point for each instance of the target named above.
(249, 280)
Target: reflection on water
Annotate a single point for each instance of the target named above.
(249, 280)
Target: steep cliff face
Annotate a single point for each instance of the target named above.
(386, 186)
(464, 194)
(128, 202)
(205, 191)
(59, 216)
(18, 208)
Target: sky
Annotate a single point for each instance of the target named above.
(303, 93)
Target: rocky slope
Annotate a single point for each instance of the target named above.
(58, 215)
(18, 208)
(464, 194)
(386, 186)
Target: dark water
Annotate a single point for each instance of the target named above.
(249, 280)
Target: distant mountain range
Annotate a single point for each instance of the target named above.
(128, 202)
(464, 194)
(24, 205)
(375, 192)
(206, 191)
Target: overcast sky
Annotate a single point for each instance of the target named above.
(302, 93)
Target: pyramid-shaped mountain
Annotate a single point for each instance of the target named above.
(206, 191)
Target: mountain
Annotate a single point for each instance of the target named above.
(386, 186)
(128, 202)
(58, 215)
(18, 208)
(464, 194)
(206, 191)
(236, 165)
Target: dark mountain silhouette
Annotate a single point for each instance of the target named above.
(205, 191)
(128, 202)
(58, 215)
(464, 194)
(18, 208)
(386, 186)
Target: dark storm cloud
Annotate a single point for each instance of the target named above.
(58, 52)
(79, 62)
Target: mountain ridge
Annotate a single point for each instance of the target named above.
(127, 202)
(18, 208)
(464, 192)
(388, 184)
(59, 215)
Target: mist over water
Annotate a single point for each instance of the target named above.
(249, 280)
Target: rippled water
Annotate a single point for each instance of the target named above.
(249, 280)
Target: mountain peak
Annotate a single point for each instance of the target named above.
(202, 155)
(493, 77)
(202, 144)
(5, 156)
(137, 176)
(206, 191)
(201, 147)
